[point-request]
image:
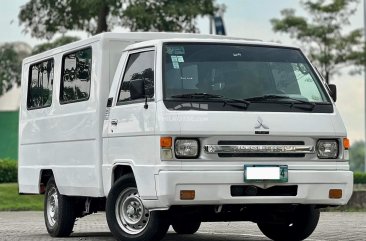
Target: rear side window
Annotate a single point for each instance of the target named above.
(75, 76)
(40, 84)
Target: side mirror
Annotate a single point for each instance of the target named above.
(333, 92)
(137, 89)
(149, 87)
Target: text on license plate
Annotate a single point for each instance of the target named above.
(263, 173)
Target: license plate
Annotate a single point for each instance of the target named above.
(260, 173)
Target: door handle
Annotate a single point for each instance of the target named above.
(114, 122)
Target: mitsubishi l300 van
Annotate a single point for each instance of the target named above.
(160, 129)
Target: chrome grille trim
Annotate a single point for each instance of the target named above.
(301, 149)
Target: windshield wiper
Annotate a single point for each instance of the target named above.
(273, 97)
(207, 96)
(196, 95)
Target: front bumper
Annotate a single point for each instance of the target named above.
(213, 188)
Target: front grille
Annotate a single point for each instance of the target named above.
(261, 154)
(261, 143)
(275, 191)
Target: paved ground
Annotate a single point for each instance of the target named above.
(30, 226)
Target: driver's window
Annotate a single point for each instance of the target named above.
(138, 79)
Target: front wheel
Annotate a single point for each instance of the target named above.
(59, 212)
(127, 217)
(300, 226)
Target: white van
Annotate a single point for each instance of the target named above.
(162, 129)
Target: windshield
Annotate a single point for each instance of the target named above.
(239, 72)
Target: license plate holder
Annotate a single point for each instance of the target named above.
(265, 173)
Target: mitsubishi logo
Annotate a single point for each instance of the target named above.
(260, 124)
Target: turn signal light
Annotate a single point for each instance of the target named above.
(346, 143)
(166, 142)
(187, 194)
(335, 193)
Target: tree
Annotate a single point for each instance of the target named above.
(357, 156)
(329, 47)
(56, 43)
(166, 15)
(44, 18)
(11, 56)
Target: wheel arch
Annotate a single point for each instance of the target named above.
(120, 170)
(44, 177)
(144, 177)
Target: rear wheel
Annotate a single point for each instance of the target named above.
(300, 226)
(127, 217)
(59, 212)
(186, 226)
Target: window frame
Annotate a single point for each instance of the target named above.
(29, 80)
(131, 52)
(62, 75)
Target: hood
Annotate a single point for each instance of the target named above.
(197, 123)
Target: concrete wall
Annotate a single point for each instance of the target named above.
(10, 100)
(358, 200)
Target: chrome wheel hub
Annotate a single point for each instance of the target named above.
(131, 214)
(52, 206)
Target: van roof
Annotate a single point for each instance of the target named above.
(205, 40)
(145, 36)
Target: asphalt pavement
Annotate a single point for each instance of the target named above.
(332, 226)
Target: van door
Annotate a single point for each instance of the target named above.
(131, 122)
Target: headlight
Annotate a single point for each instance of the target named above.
(327, 149)
(186, 148)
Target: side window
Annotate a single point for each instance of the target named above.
(75, 76)
(138, 79)
(40, 84)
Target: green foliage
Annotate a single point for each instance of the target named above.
(359, 178)
(328, 46)
(44, 18)
(9, 134)
(11, 56)
(8, 171)
(56, 43)
(166, 15)
(11, 200)
(357, 156)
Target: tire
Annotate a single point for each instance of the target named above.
(58, 212)
(186, 226)
(128, 219)
(303, 223)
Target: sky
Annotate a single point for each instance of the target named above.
(243, 18)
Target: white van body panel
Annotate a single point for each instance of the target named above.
(64, 138)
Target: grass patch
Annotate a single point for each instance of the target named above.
(10, 200)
